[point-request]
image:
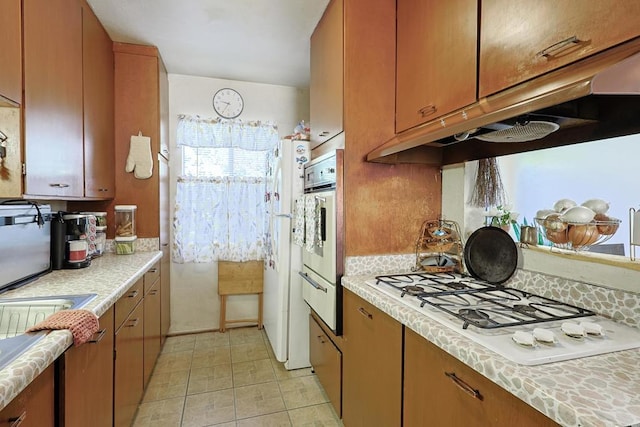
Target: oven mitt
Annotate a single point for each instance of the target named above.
(140, 161)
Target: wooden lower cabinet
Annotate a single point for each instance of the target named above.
(372, 365)
(128, 367)
(440, 390)
(85, 368)
(326, 360)
(34, 406)
(152, 304)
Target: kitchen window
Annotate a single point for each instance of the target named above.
(220, 207)
(595, 170)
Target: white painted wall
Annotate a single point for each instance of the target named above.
(603, 169)
(194, 291)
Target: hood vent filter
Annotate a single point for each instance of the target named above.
(529, 131)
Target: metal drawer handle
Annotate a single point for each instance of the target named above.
(365, 313)
(97, 337)
(58, 185)
(557, 46)
(464, 386)
(15, 422)
(133, 323)
(104, 190)
(152, 270)
(428, 110)
(312, 282)
(133, 294)
(153, 292)
(321, 339)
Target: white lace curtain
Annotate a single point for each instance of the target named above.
(220, 206)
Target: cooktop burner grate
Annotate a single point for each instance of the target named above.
(478, 303)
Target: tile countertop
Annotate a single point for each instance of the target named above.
(109, 276)
(594, 391)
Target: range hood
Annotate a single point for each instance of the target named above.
(595, 98)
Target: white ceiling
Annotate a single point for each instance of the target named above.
(263, 41)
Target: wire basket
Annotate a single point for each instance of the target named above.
(577, 236)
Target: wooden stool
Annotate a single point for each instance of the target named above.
(239, 278)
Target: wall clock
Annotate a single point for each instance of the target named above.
(228, 103)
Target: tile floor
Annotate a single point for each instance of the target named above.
(230, 379)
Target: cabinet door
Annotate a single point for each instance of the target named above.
(128, 368)
(53, 98)
(326, 360)
(165, 293)
(151, 329)
(11, 50)
(164, 232)
(326, 90)
(34, 406)
(372, 357)
(518, 41)
(99, 127)
(436, 59)
(89, 367)
(440, 390)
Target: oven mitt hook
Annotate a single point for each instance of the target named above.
(139, 160)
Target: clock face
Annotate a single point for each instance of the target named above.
(228, 103)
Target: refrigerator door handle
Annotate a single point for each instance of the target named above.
(287, 215)
(312, 282)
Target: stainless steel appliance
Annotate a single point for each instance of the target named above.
(523, 327)
(25, 243)
(323, 260)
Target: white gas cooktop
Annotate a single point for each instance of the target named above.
(525, 328)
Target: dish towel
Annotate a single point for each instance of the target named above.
(82, 324)
(312, 223)
(139, 160)
(298, 220)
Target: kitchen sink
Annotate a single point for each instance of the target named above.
(19, 314)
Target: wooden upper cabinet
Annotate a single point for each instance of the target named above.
(53, 116)
(98, 84)
(519, 41)
(326, 91)
(10, 50)
(436, 59)
(138, 74)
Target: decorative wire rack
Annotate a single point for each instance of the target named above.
(439, 247)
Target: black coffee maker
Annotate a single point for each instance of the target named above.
(69, 245)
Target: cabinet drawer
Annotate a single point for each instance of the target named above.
(151, 276)
(326, 360)
(127, 302)
(441, 390)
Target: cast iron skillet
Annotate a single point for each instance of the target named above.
(491, 255)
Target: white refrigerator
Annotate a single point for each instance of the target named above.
(286, 315)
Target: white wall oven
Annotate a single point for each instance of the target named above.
(323, 256)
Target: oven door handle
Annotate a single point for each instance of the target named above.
(312, 282)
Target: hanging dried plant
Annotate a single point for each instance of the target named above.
(488, 190)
